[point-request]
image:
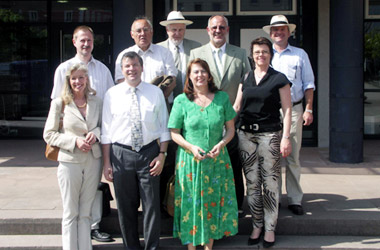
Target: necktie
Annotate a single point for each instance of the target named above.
(218, 60)
(178, 65)
(136, 132)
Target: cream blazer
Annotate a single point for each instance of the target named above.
(74, 126)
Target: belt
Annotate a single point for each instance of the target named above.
(257, 128)
(130, 147)
(296, 103)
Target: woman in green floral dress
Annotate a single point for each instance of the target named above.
(205, 200)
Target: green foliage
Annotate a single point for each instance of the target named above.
(8, 16)
(372, 44)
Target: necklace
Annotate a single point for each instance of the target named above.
(81, 106)
(202, 103)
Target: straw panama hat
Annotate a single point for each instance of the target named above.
(175, 17)
(279, 20)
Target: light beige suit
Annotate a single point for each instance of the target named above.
(78, 172)
(188, 45)
(235, 67)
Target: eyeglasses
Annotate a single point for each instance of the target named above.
(264, 52)
(216, 27)
(145, 29)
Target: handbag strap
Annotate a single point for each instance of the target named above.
(61, 116)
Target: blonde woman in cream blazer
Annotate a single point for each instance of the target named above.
(79, 169)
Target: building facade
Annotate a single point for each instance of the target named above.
(36, 37)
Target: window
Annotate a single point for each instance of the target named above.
(372, 78)
(204, 8)
(372, 9)
(266, 7)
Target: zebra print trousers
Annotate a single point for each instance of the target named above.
(260, 155)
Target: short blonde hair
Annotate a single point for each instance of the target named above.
(67, 93)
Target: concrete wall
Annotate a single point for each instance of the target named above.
(323, 76)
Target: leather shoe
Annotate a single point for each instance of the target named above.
(296, 209)
(241, 214)
(100, 236)
(268, 244)
(253, 241)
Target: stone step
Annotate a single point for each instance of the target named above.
(283, 242)
(331, 223)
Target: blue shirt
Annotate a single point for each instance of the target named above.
(295, 64)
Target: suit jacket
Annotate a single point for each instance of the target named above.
(188, 45)
(235, 67)
(74, 126)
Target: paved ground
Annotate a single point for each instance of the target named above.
(29, 189)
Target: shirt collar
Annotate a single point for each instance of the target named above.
(77, 59)
(128, 88)
(141, 52)
(223, 48)
(289, 47)
(172, 46)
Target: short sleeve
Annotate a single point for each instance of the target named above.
(229, 112)
(176, 114)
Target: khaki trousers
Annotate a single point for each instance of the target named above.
(78, 183)
(292, 162)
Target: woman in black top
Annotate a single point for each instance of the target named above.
(259, 99)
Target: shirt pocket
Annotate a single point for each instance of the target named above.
(292, 72)
(149, 117)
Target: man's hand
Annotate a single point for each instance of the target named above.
(157, 165)
(108, 172)
(308, 118)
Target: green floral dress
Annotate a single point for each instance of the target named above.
(205, 201)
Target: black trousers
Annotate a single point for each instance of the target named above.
(233, 151)
(132, 182)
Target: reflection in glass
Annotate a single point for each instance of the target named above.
(374, 7)
(82, 11)
(25, 11)
(265, 5)
(205, 6)
(24, 88)
(372, 78)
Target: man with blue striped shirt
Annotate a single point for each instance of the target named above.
(295, 64)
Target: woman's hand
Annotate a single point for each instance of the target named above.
(90, 138)
(83, 145)
(198, 153)
(285, 147)
(215, 151)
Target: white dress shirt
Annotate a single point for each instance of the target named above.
(116, 120)
(223, 49)
(182, 55)
(99, 75)
(295, 64)
(157, 61)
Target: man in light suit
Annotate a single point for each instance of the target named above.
(179, 46)
(180, 49)
(101, 80)
(228, 65)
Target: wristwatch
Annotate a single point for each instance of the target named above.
(165, 153)
(309, 111)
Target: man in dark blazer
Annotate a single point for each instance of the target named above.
(228, 65)
(178, 45)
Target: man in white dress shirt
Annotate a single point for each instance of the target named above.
(158, 61)
(101, 80)
(134, 141)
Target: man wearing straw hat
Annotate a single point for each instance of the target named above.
(180, 48)
(295, 64)
(178, 45)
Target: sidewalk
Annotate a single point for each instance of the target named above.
(339, 200)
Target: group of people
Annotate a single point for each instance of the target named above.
(214, 118)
